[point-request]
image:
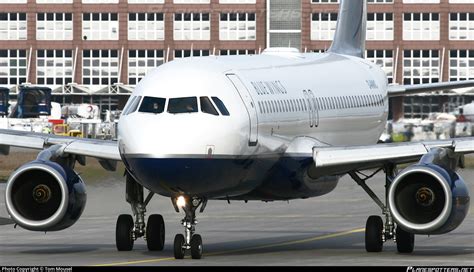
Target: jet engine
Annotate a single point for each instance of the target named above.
(430, 197)
(45, 196)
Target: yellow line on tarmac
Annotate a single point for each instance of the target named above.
(137, 262)
(317, 238)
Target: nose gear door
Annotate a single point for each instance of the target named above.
(250, 105)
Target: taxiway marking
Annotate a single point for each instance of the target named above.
(317, 238)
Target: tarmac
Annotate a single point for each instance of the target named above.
(324, 231)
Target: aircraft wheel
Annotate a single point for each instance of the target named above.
(405, 241)
(196, 246)
(155, 233)
(123, 233)
(373, 234)
(179, 246)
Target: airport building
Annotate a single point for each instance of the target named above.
(95, 51)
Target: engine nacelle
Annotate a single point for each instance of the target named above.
(430, 197)
(45, 196)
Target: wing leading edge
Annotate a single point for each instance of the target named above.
(100, 149)
(339, 160)
(403, 90)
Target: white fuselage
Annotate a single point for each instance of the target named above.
(273, 99)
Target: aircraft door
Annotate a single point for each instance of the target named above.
(315, 108)
(310, 108)
(250, 105)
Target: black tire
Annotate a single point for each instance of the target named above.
(123, 233)
(178, 247)
(155, 233)
(373, 234)
(405, 241)
(196, 246)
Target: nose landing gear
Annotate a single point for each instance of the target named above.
(189, 241)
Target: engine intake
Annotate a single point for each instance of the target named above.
(429, 197)
(45, 196)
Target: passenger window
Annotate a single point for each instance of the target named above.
(134, 105)
(220, 105)
(152, 105)
(207, 107)
(183, 105)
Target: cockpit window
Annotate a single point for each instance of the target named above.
(152, 105)
(207, 107)
(183, 105)
(221, 106)
(132, 107)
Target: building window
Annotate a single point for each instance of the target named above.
(237, 26)
(337, 1)
(420, 107)
(100, 26)
(380, 26)
(232, 52)
(237, 1)
(192, 26)
(54, 67)
(192, 1)
(54, 26)
(323, 26)
(178, 54)
(140, 62)
(421, 1)
(53, 1)
(421, 66)
(12, 67)
(421, 26)
(146, 1)
(325, 1)
(100, 67)
(100, 1)
(146, 26)
(13, 1)
(13, 26)
(384, 59)
(462, 1)
(461, 26)
(461, 65)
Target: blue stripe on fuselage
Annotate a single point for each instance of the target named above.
(222, 177)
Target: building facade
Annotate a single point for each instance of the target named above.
(97, 51)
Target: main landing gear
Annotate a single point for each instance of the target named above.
(376, 231)
(189, 241)
(128, 231)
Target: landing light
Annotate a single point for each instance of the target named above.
(181, 202)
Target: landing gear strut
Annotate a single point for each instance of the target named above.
(376, 231)
(190, 240)
(128, 231)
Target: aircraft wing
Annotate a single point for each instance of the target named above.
(340, 160)
(100, 149)
(402, 90)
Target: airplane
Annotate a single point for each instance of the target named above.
(277, 126)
